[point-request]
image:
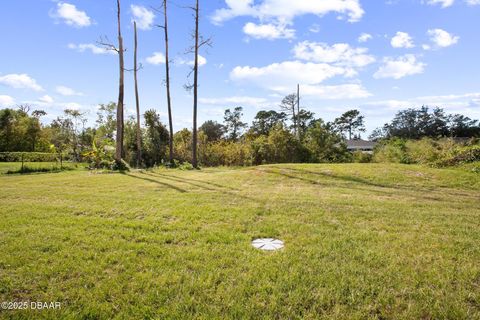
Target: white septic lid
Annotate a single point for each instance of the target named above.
(268, 244)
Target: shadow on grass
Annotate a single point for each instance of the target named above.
(156, 181)
(211, 186)
(198, 182)
(344, 178)
(356, 183)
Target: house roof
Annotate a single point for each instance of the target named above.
(360, 144)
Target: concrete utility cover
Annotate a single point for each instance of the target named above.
(268, 244)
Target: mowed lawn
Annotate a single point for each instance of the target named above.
(362, 241)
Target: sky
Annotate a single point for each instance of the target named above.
(378, 56)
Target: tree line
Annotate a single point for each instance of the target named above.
(275, 136)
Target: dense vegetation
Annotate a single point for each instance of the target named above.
(283, 136)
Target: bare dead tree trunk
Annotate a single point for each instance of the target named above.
(195, 89)
(121, 91)
(137, 98)
(295, 129)
(298, 111)
(167, 72)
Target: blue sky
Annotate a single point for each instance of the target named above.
(378, 56)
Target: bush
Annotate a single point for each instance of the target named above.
(185, 166)
(461, 155)
(121, 165)
(100, 157)
(391, 151)
(438, 153)
(362, 157)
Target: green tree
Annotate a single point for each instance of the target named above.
(213, 130)
(265, 121)
(350, 122)
(324, 144)
(106, 122)
(304, 120)
(156, 139)
(233, 123)
(288, 105)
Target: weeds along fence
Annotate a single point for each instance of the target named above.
(36, 161)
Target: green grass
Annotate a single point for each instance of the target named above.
(363, 241)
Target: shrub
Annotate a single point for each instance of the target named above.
(461, 155)
(100, 157)
(362, 157)
(185, 166)
(423, 151)
(393, 151)
(439, 153)
(121, 165)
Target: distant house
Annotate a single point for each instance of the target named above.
(360, 145)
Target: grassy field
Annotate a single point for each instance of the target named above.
(362, 241)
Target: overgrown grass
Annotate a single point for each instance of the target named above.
(363, 241)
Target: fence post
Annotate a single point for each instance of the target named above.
(22, 162)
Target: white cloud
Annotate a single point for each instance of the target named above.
(157, 58)
(288, 74)
(442, 38)
(71, 15)
(235, 100)
(6, 101)
(287, 10)
(143, 17)
(75, 106)
(268, 31)
(468, 104)
(90, 47)
(402, 40)
(314, 28)
(400, 67)
(201, 61)
(448, 3)
(46, 99)
(20, 81)
(340, 54)
(66, 91)
(364, 37)
(443, 3)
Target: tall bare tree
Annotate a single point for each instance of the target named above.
(195, 88)
(199, 42)
(167, 75)
(121, 90)
(137, 98)
(121, 84)
(298, 111)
